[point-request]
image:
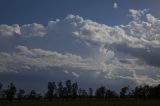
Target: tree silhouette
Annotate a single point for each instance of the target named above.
(111, 94)
(51, 90)
(124, 92)
(72, 90)
(11, 91)
(90, 92)
(140, 91)
(32, 94)
(80, 92)
(60, 90)
(75, 89)
(154, 92)
(1, 92)
(100, 92)
(1, 85)
(69, 88)
(20, 94)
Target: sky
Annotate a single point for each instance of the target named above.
(113, 43)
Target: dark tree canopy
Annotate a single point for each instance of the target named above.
(69, 90)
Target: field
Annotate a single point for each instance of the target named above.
(84, 103)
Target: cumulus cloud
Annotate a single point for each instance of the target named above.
(136, 14)
(138, 42)
(151, 18)
(33, 30)
(137, 34)
(7, 30)
(28, 30)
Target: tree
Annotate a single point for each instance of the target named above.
(75, 89)
(65, 93)
(60, 90)
(1, 90)
(100, 92)
(124, 92)
(110, 94)
(1, 85)
(11, 91)
(69, 87)
(146, 91)
(20, 94)
(51, 90)
(80, 92)
(84, 93)
(154, 92)
(90, 92)
(142, 92)
(32, 95)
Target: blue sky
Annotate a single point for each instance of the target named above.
(29, 11)
(93, 42)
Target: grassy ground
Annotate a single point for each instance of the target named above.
(84, 103)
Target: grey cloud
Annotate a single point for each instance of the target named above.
(42, 59)
(150, 56)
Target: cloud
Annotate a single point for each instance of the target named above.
(136, 34)
(33, 30)
(115, 51)
(142, 80)
(115, 5)
(27, 30)
(65, 71)
(7, 30)
(75, 74)
(151, 18)
(71, 73)
(42, 59)
(29, 59)
(136, 14)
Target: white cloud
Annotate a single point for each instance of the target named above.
(136, 34)
(65, 71)
(75, 74)
(71, 73)
(142, 80)
(27, 30)
(33, 30)
(151, 18)
(115, 5)
(6, 30)
(103, 54)
(136, 14)
(42, 59)
(25, 58)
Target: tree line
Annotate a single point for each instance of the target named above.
(69, 90)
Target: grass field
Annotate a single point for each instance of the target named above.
(84, 103)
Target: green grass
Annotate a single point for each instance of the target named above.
(84, 103)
